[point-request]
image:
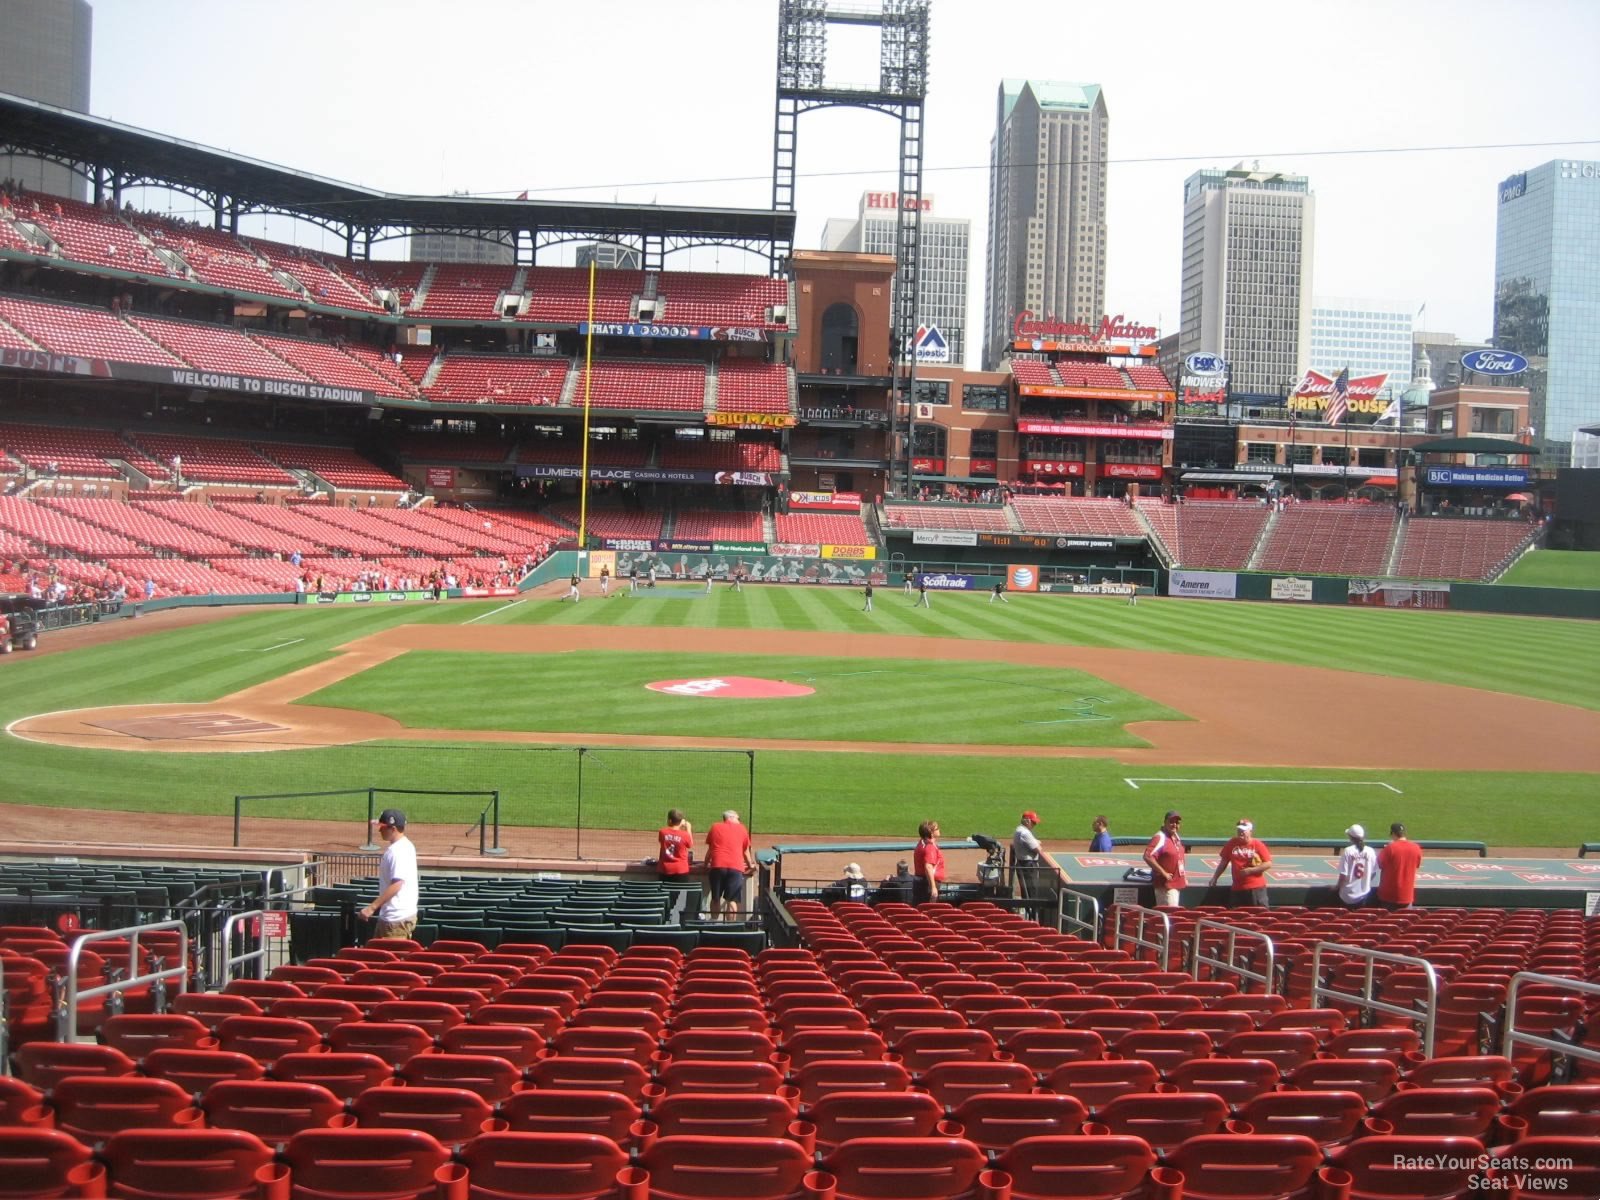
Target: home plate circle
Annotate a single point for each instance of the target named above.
(731, 687)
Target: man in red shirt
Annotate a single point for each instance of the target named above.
(676, 840)
(1166, 857)
(728, 861)
(929, 863)
(1397, 869)
(1250, 860)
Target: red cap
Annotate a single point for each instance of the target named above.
(1030, 815)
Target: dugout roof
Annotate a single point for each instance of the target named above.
(1473, 445)
(128, 156)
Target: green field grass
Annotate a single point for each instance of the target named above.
(852, 794)
(1556, 568)
(855, 699)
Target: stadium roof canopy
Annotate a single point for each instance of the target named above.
(1473, 445)
(114, 157)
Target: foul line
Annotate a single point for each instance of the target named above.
(264, 649)
(492, 611)
(1136, 780)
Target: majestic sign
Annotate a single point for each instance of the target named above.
(1494, 362)
(1026, 327)
(1493, 477)
(931, 345)
(1315, 390)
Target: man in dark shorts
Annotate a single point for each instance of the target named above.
(728, 862)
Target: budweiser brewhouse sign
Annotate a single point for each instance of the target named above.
(1119, 328)
(1315, 389)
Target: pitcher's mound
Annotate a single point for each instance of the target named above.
(174, 727)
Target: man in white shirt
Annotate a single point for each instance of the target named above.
(396, 905)
(1357, 866)
(1031, 863)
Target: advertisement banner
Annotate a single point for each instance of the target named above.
(1053, 391)
(1084, 543)
(481, 592)
(441, 477)
(1022, 578)
(1016, 541)
(1131, 471)
(1204, 585)
(1382, 593)
(824, 501)
(862, 552)
(184, 377)
(738, 420)
(1102, 589)
(602, 558)
(928, 466)
(761, 569)
(794, 550)
(942, 581)
(1475, 476)
(1151, 433)
(1292, 589)
(649, 329)
(1314, 390)
(627, 543)
(1036, 466)
(370, 597)
(983, 466)
(935, 537)
(647, 475)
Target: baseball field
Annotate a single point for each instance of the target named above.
(1462, 725)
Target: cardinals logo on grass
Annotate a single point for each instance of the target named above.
(731, 687)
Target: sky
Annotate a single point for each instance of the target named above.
(645, 101)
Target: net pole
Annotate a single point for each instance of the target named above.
(238, 806)
(750, 803)
(368, 844)
(496, 848)
(588, 375)
(577, 850)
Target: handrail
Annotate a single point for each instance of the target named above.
(1515, 1036)
(76, 995)
(1229, 963)
(5, 1023)
(258, 956)
(1429, 1015)
(1091, 926)
(1162, 946)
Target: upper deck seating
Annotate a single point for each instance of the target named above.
(89, 332)
(752, 387)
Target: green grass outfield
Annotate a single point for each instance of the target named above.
(852, 794)
(855, 699)
(1556, 568)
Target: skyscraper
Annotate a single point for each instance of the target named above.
(1047, 208)
(1547, 295)
(946, 253)
(44, 55)
(1246, 293)
(1368, 336)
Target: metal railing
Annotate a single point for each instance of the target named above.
(256, 957)
(1428, 1017)
(5, 1023)
(156, 979)
(1079, 902)
(1229, 963)
(1518, 1037)
(1161, 944)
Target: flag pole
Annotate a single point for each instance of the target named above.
(588, 372)
(1346, 420)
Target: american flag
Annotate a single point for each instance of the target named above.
(1339, 402)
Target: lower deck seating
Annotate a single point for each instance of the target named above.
(1330, 539)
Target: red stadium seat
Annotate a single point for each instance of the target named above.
(183, 1164)
(451, 1114)
(1236, 1080)
(92, 1107)
(952, 1082)
(1085, 1167)
(1164, 1119)
(1409, 1168)
(712, 1168)
(486, 1075)
(607, 1114)
(42, 1164)
(997, 1120)
(818, 1079)
(926, 1168)
(45, 1064)
(714, 1114)
(196, 1070)
(272, 1110)
(363, 1164)
(1098, 1083)
(1248, 1167)
(1326, 1117)
(722, 1075)
(345, 1075)
(840, 1116)
(541, 1166)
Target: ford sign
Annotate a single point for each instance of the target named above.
(1494, 362)
(1204, 364)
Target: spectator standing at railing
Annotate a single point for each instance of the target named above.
(728, 862)
(1166, 857)
(1357, 865)
(1249, 860)
(675, 843)
(1101, 842)
(1397, 869)
(395, 909)
(929, 863)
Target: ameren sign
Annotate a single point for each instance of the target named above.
(1118, 328)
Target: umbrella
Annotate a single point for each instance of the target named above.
(1520, 497)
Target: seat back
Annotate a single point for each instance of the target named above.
(45, 1064)
(588, 1073)
(716, 1114)
(818, 1079)
(689, 1167)
(93, 1107)
(273, 1110)
(1164, 1119)
(1371, 1078)
(1246, 1167)
(450, 1114)
(1098, 1083)
(996, 1120)
(266, 1038)
(606, 1114)
(486, 1075)
(365, 1163)
(1326, 1117)
(541, 1166)
(174, 1164)
(395, 1042)
(952, 1082)
(517, 1044)
(1100, 1167)
(136, 1034)
(924, 1168)
(721, 1075)
(1387, 1167)
(840, 1116)
(42, 1163)
(1440, 1112)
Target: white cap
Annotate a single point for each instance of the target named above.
(854, 871)
(1246, 827)
(1355, 831)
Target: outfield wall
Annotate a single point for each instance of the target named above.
(1336, 589)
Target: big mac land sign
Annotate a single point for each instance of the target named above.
(1312, 393)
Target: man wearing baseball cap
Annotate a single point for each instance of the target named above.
(1031, 863)
(1357, 865)
(396, 905)
(1250, 860)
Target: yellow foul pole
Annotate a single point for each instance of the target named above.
(588, 367)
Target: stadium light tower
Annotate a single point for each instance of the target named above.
(902, 87)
